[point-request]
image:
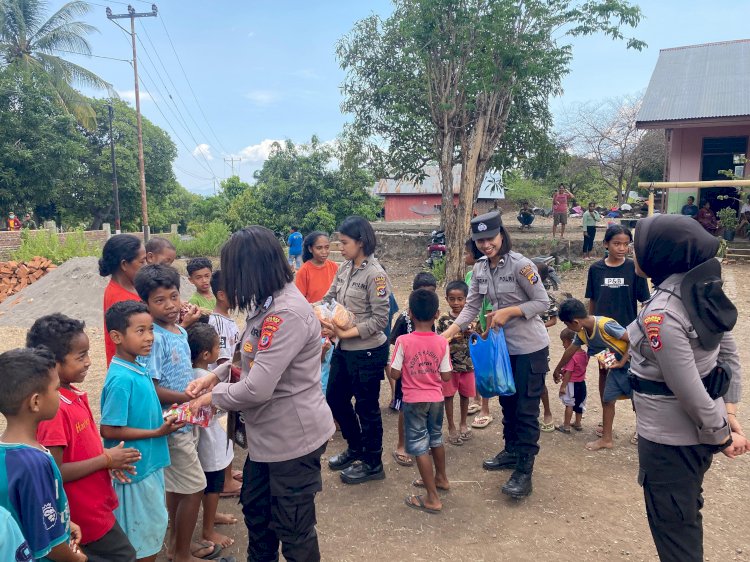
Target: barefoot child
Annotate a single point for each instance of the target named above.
(598, 334)
(199, 274)
(573, 387)
(550, 319)
(72, 439)
(214, 450)
(422, 360)
(462, 377)
(31, 485)
(131, 413)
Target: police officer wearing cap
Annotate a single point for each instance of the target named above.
(685, 375)
(513, 286)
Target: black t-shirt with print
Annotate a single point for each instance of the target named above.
(616, 291)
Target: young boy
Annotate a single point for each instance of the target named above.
(13, 546)
(73, 441)
(462, 377)
(170, 368)
(131, 413)
(30, 483)
(403, 326)
(422, 359)
(573, 387)
(229, 335)
(598, 334)
(160, 250)
(199, 274)
(214, 450)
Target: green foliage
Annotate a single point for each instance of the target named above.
(518, 189)
(206, 243)
(232, 187)
(47, 244)
(438, 270)
(728, 218)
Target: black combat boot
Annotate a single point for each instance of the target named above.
(519, 484)
(343, 460)
(371, 468)
(504, 459)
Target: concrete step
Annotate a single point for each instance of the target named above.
(335, 255)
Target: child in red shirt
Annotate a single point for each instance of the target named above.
(422, 358)
(573, 386)
(73, 441)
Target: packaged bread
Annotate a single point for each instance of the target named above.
(322, 312)
(342, 317)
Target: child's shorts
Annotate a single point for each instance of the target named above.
(215, 482)
(184, 475)
(617, 386)
(114, 546)
(142, 513)
(463, 383)
(575, 396)
(423, 426)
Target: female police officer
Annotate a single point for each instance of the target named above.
(287, 419)
(513, 286)
(361, 355)
(678, 394)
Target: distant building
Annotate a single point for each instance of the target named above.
(700, 96)
(405, 200)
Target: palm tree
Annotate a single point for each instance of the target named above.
(32, 44)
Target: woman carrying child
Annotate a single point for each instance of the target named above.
(512, 284)
(287, 419)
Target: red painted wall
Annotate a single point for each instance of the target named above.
(397, 207)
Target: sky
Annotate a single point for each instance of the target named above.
(227, 78)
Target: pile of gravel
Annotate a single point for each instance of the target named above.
(74, 289)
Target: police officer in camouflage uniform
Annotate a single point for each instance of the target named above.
(681, 357)
(513, 286)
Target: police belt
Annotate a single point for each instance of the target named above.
(716, 383)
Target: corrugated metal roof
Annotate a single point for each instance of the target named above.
(699, 81)
(491, 188)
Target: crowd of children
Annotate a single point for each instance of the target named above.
(71, 492)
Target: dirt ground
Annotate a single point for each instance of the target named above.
(585, 505)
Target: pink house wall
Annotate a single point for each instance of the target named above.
(397, 207)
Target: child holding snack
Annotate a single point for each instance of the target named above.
(131, 413)
(30, 483)
(72, 439)
(199, 274)
(422, 358)
(573, 387)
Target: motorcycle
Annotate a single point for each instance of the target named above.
(553, 281)
(437, 249)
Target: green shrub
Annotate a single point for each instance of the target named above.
(47, 244)
(206, 243)
(438, 270)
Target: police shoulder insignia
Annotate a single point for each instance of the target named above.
(528, 272)
(247, 347)
(653, 323)
(270, 326)
(380, 285)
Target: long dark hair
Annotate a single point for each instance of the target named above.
(119, 248)
(615, 229)
(309, 242)
(253, 267)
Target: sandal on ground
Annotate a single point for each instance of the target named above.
(547, 427)
(212, 555)
(419, 506)
(466, 435)
(562, 429)
(417, 483)
(402, 459)
(474, 408)
(480, 422)
(577, 427)
(455, 440)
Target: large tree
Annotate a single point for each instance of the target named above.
(29, 42)
(465, 81)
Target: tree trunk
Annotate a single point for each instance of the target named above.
(446, 144)
(99, 216)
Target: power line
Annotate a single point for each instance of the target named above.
(90, 55)
(179, 62)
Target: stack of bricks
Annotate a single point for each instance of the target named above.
(16, 276)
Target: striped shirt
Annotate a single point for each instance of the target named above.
(229, 335)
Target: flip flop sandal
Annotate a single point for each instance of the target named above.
(455, 440)
(213, 555)
(480, 422)
(417, 483)
(419, 506)
(547, 427)
(466, 435)
(562, 429)
(577, 427)
(401, 459)
(474, 408)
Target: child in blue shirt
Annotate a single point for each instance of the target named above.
(31, 487)
(171, 369)
(13, 546)
(131, 412)
(295, 248)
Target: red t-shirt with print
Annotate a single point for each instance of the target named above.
(112, 294)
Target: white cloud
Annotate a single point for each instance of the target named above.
(129, 95)
(204, 149)
(262, 97)
(258, 152)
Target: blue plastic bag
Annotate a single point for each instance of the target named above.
(492, 370)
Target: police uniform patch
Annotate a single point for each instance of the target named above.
(270, 326)
(653, 330)
(528, 272)
(653, 319)
(248, 347)
(380, 285)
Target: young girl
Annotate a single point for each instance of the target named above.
(590, 218)
(122, 256)
(613, 288)
(317, 272)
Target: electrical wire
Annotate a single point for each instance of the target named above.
(95, 56)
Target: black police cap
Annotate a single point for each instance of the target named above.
(486, 226)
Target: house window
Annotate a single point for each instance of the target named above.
(437, 207)
(721, 153)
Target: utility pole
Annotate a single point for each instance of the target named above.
(232, 160)
(115, 191)
(132, 14)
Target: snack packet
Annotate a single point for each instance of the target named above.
(200, 417)
(606, 358)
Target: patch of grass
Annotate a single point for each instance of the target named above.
(48, 244)
(206, 243)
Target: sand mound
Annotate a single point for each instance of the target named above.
(74, 289)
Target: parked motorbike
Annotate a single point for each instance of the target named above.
(553, 281)
(437, 249)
